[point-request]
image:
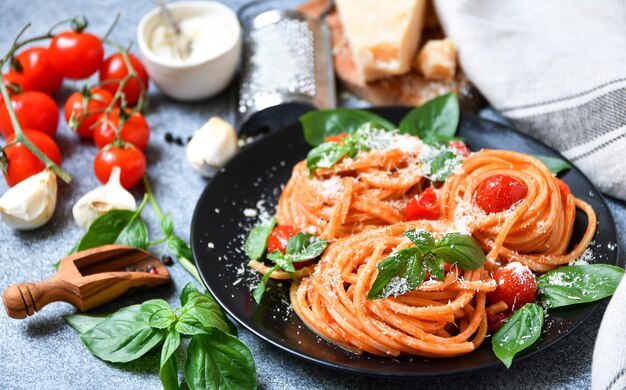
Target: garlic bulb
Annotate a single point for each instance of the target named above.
(111, 196)
(30, 203)
(212, 146)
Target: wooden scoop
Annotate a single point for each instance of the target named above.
(87, 279)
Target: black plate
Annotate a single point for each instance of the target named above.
(219, 229)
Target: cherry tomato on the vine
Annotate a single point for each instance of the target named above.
(38, 70)
(499, 192)
(516, 286)
(131, 161)
(422, 206)
(135, 130)
(34, 110)
(22, 163)
(114, 70)
(97, 99)
(76, 55)
(15, 83)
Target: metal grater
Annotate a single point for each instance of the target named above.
(287, 60)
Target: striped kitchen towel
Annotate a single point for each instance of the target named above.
(557, 69)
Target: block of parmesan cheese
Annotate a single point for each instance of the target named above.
(383, 34)
(437, 59)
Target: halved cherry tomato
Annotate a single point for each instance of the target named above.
(34, 110)
(135, 130)
(499, 192)
(516, 286)
(459, 148)
(97, 99)
(131, 161)
(76, 55)
(114, 70)
(422, 206)
(563, 189)
(38, 70)
(277, 241)
(496, 321)
(336, 138)
(22, 163)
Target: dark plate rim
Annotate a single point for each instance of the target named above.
(408, 375)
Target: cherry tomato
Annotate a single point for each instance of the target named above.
(34, 110)
(459, 148)
(499, 192)
(496, 321)
(114, 69)
(23, 163)
(97, 99)
(277, 241)
(15, 82)
(135, 130)
(76, 55)
(336, 138)
(38, 71)
(422, 206)
(563, 189)
(131, 161)
(516, 286)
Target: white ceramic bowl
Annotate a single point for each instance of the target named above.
(194, 80)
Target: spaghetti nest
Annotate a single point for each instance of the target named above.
(536, 231)
(439, 319)
(355, 194)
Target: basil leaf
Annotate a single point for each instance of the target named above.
(399, 273)
(123, 337)
(162, 319)
(460, 249)
(554, 164)
(168, 371)
(179, 248)
(123, 227)
(304, 246)
(434, 121)
(257, 239)
(219, 361)
(84, 322)
(258, 292)
(578, 284)
(325, 155)
(519, 333)
(187, 290)
(320, 124)
(199, 315)
(283, 261)
(187, 293)
(434, 265)
(443, 165)
(421, 238)
(167, 224)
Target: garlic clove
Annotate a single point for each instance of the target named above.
(30, 203)
(101, 200)
(212, 146)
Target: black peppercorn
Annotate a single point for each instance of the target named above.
(169, 137)
(167, 260)
(179, 141)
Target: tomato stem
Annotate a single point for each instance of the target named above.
(110, 30)
(21, 137)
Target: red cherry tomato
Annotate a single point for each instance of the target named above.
(516, 286)
(131, 161)
(15, 82)
(563, 189)
(277, 241)
(135, 130)
(76, 55)
(114, 69)
(459, 148)
(496, 321)
(422, 206)
(22, 163)
(38, 70)
(98, 99)
(34, 110)
(499, 192)
(336, 138)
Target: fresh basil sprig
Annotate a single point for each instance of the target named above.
(554, 164)
(405, 269)
(442, 165)
(320, 124)
(572, 285)
(257, 239)
(215, 357)
(520, 332)
(435, 121)
(301, 247)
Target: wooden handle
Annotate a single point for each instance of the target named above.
(24, 299)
